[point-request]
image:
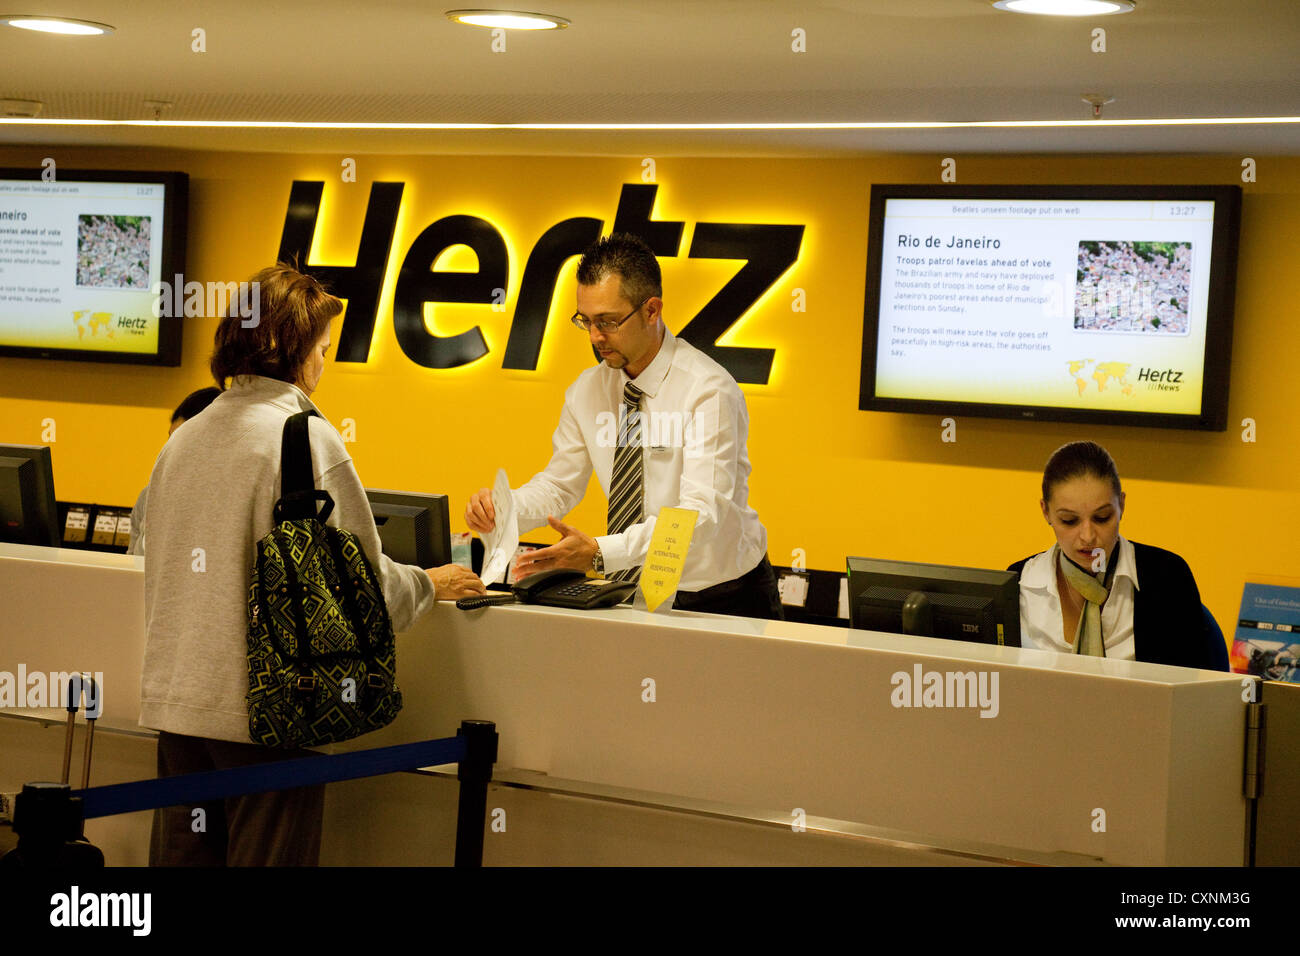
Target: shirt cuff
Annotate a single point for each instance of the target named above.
(613, 551)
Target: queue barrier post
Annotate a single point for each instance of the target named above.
(474, 774)
(49, 822)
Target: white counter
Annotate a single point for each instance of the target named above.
(1118, 761)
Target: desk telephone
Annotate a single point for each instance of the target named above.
(560, 587)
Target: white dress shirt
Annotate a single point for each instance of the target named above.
(694, 428)
(1040, 605)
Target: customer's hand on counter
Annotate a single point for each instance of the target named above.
(452, 581)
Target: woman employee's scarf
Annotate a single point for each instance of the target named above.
(1095, 590)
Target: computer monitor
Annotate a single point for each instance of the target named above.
(414, 528)
(28, 512)
(935, 600)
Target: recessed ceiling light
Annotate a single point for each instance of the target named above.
(62, 25)
(1067, 8)
(508, 19)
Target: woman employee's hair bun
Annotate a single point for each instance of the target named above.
(293, 312)
(1076, 459)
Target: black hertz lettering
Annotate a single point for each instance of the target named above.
(768, 251)
(1167, 375)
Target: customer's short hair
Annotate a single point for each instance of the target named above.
(628, 257)
(1076, 459)
(294, 310)
(195, 402)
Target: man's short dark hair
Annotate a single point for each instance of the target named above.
(195, 402)
(628, 257)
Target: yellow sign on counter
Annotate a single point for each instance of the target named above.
(663, 564)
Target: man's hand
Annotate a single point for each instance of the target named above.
(574, 550)
(479, 513)
(451, 581)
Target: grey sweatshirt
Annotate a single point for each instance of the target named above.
(211, 495)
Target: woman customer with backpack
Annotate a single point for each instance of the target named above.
(211, 498)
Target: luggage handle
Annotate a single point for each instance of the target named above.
(76, 689)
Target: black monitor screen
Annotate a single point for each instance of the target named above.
(414, 528)
(934, 600)
(28, 511)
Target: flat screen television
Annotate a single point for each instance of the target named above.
(1091, 304)
(81, 262)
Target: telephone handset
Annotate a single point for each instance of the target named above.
(564, 587)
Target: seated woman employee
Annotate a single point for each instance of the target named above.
(1095, 592)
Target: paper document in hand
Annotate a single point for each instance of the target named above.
(500, 543)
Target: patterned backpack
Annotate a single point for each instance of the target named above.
(322, 659)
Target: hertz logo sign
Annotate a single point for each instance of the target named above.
(768, 250)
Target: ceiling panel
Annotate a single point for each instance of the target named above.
(657, 61)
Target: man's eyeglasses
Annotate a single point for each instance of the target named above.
(604, 326)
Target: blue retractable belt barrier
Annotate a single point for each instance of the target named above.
(258, 778)
(49, 817)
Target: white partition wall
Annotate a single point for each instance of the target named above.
(652, 738)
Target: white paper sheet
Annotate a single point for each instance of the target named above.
(794, 590)
(500, 544)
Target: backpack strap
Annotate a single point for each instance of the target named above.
(298, 493)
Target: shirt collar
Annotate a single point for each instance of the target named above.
(653, 375)
(1127, 566)
(260, 388)
(1040, 573)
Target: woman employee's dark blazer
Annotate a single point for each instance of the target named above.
(1170, 626)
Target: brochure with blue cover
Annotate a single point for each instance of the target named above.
(1267, 640)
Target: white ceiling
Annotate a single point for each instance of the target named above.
(655, 61)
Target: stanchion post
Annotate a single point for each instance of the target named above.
(474, 774)
(48, 821)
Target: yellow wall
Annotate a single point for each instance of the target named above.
(828, 478)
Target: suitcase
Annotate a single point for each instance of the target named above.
(47, 818)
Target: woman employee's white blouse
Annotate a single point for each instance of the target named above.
(1040, 605)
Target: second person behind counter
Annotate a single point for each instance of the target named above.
(1095, 592)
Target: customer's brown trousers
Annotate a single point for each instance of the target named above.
(278, 828)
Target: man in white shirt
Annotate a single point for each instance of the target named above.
(661, 424)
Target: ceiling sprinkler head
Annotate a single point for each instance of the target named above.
(157, 108)
(1097, 101)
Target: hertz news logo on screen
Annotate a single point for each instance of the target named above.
(92, 324)
(1107, 376)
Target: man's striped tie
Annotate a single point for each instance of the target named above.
(627, 486)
